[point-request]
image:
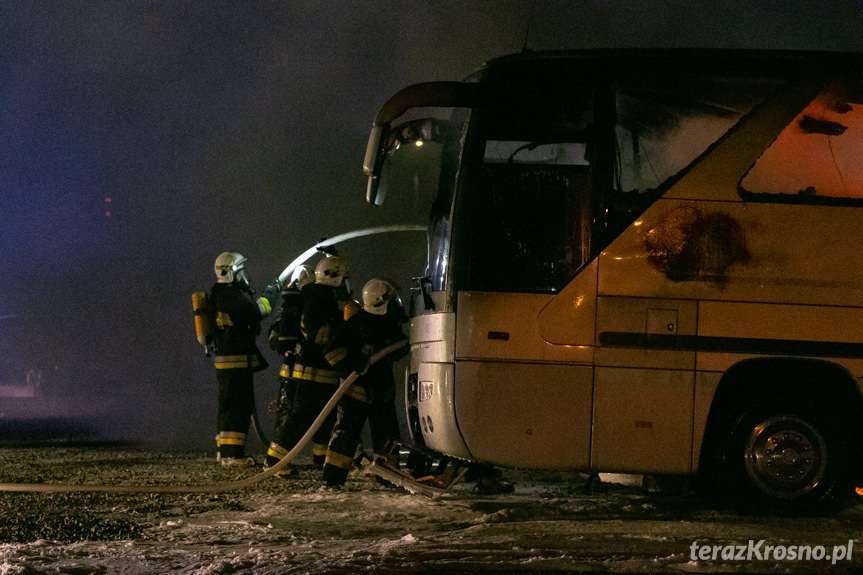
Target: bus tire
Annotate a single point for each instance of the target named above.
(784, 459)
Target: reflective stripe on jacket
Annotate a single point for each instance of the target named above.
(318, 374)
(237, 361)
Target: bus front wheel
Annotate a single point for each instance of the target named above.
(783, 460)
(785, 457)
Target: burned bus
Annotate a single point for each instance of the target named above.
(639, 261)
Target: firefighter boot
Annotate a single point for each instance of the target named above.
(275, 454)
(231, 449)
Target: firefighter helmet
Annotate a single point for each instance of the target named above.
(377, 293)
(230, 266)
(330, 271)
(302, 275)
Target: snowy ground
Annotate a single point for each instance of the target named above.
(551, 524)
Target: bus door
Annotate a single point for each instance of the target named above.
(520, 398)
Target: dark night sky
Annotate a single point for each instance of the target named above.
(242, 126)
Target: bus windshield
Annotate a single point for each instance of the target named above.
(420, 168)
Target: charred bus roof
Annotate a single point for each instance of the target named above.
(531, 71)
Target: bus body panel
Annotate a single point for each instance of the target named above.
(732, 251)
(768, 322)
(642, 420)
(706, 383)
(432, 359)
(525, 414)
(506, 326)
(436, 409)
(431, 337)
(570, 317)
(707, 361)
(645, 332)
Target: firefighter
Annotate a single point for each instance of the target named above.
(377, 325)
(316, 380)
(284, 337)
(237, 316)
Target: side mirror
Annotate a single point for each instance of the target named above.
(371, 165)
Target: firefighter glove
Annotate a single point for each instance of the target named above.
(272, 291)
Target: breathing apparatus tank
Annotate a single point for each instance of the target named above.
(203, 326)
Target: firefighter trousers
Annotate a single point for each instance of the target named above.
(236, 405)
(287, 391)
(352, 416)
(309, 400)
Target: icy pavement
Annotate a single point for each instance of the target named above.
(551, 524)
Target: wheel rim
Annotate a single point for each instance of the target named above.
(785, 456)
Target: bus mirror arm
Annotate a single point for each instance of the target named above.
(373, 194)
(371, 163)
(373, 149)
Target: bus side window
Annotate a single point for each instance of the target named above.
(816, 158)
(530, 228)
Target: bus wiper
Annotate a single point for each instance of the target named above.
(530, 146)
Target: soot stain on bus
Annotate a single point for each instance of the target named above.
(688, 245)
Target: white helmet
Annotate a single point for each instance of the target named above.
(330, 271)
(302, 275)
(377, 293)
(230, 266)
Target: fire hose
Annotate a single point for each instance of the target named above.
(212, 487)
(344, 237)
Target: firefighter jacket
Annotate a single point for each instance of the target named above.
(290, 315)
(320, 319)
(237, 322)
(362, 336)
(285, 334)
